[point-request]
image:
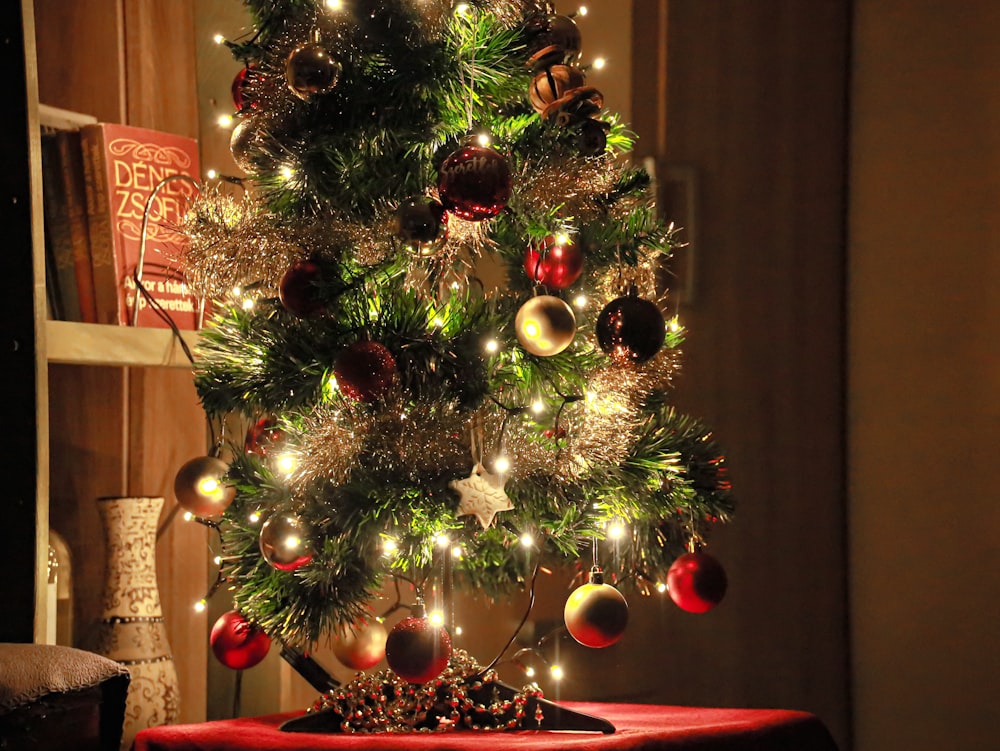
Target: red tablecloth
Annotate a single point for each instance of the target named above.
(638, 727)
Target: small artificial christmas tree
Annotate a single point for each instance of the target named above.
(413, 424)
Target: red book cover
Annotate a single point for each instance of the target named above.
(126, 165)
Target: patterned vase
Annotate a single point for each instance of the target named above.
(132, 630)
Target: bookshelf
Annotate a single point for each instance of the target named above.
(73, 343)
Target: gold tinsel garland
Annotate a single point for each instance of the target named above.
(384, 703)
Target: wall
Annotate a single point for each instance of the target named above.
(925, 374)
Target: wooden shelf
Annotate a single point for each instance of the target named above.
(97, 344)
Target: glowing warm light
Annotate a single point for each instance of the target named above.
(616, 531)
(462, 9)
(484, 140)
(562, 239)
(529, 671)
(502, 464)
(287, 172)
(532, 330)
(442, 541)
(492, 346)
(248, 303)
(580, 301)
(457, 552)
(599, 63)
(458, 630)
(292, 542)
(527, 540)
(254, 517)
(436, 617)
(675, 324)
(199, 607)
(438, 321)
(211, 174)
(389, 547)
(334, 4)
(208, 485)
(219, 39)
(287, 463)
(225, 121)
(538, 407)
(188, 516)
(583, 10)
(661, 587)
(217, 560)
(237, 290)
(454, 285)
(557, 673)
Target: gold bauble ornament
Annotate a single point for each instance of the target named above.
(545, 325)
(200, 489)
(362, 646)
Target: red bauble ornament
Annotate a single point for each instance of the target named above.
(475, 183)
(262, 436)
(299, 290)
(557, 262)
(237, 643)
(284, 541)
(239, 88)
(596, 613)
(696, 582)
(417, 650)
(365, 371)
(362, 646)
(631, 329)
(311, 70)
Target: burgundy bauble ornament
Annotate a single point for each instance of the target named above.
(262, 436)
(696, 582)
(239, 88)
(552, 83)
(311, 70)
(631, 329)
(596, 613)
(545, 325)
(475, 182)
(421, 223)
(285, 541)
(556, 261)
(237, 643)
(417, 650)
(362, 646)
(365, 371)
(200, 489)
(299, 289)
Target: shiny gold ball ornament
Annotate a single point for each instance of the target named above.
(596, 613)
(284, 541)
(200, 489)
(242, 142)
(362, 646)
(311, 70)
(545, 325)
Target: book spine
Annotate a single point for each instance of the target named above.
(100, 225)
(60, 277)
(74, 187)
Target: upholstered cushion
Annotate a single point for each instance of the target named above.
(30, 671)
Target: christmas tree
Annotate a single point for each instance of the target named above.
(442, 313)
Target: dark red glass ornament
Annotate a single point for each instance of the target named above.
(239, 88)
(475, 182)
(299, 290)
(237, 643)
(631, 329)
(365, 371)
(696, 582)
(417, 650)
(421, 223)
(262, 436)
(556, 261)
(311, 70)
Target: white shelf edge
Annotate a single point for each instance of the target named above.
(69, 342)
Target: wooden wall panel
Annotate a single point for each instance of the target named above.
(756, 106)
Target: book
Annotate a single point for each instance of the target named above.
(74, 189)
(128, 169)
(60, 274)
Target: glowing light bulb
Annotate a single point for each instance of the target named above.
(199, 607)
(529, 671)
(218, 39)
(462, 9)
(661, 587)
(389, 547)
(583, 10)
(442, 541)
(492, 346)
(484, 140)
(527, 540)
(580, 301)
(616, 531)
(675, 324)
(225, 121)
(502, 464)
(562, 239)
(436, 617)
(457, 552)
(286, 172)
(211, 174)
(248, 303)
(237, 290)
(254, 517)
(217, 560)
(538, 407)
(557, 673)
(599, 63)
(188, 516)
(458, 630)
(292, 542)
(334, 4)
(438, 321)
(286, 463)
